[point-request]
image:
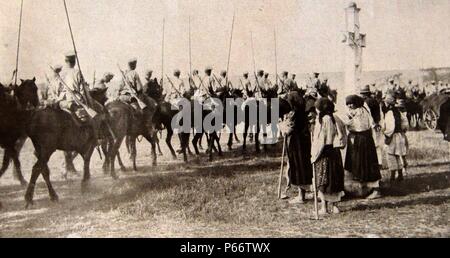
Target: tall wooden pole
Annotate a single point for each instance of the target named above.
(276, 56)
(18, 44)
(229, 50)
(162, 54)
(73, 39)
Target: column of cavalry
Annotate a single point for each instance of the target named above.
(76, 118)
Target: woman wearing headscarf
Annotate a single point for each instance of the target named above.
(326, 157)
(395, 126)
(361, 158)
(295, 128)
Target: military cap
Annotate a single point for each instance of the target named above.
(108, 74)
(365, 89)
(285, 73)
(70, 53)
(58, 67)
(132, 60)
(208, 68)
(316, 73)
(433, 82)
(391, 79)
(260, 72)
(176, 71)
(148, 72)
(245, 73)
(223, 73)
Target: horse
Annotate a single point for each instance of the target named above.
(52, 129)
(264, 104)
(14, 111)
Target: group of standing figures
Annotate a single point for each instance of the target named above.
(368, 130)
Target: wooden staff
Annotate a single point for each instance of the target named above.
(229, 51)
(282, 167)
(18, 44)
(316, 208)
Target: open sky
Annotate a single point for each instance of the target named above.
(402, 34)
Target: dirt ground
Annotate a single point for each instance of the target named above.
(234, 196)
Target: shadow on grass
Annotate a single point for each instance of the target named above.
(432, 200)
(419, 184)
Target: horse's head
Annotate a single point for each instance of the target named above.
(237, 93)
(27, 93)
(99, 95)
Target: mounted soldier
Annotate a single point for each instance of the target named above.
(313, 87)
(286, 84)
(152, 88)
(178, 89)
(248, 88)
(131, 89)
(208, 80)
(102, 84)
(223, 80)
(267, 83)
(54, 85)
(294, 82)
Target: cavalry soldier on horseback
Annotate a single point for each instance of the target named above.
(286, 84)
(54, 85)
(195, 81)
(248, 88)
(259, 83)
(267, 83)
(313, 87)
(177, 90)
(294, 82)
(223, 80)
(152, 88)
(73, 79)
(131, 87)
(101, 85)
(208, 80)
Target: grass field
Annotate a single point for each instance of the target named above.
(234, 196)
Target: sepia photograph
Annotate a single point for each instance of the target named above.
(224, 119)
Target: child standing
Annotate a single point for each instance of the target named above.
(395, 127)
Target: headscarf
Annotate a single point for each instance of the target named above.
(325, 107)
(356, 100)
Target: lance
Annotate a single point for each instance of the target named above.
(162, 53)
(190, 48)
(254, 62)
(229, 51)
(86, 91)
(18, 43)
(276, 56)
(133, 93)
(173, 86)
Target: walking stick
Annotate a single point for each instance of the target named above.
(282, 167)
(316, 208)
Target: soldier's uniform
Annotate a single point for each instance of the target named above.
(72, 78)
(267, 83)
(54, 87)
(101, 85)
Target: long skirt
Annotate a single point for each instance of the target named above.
(361, 159)
(299, 154)
(330, 174)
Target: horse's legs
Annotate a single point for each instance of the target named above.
(217, 140)
(35, 172)
(106, 162)
(236, 136)
(258, 150)
(169, 142)
(6, 161)
(184, 142)
(46, 175)
(200, 142)
(156, 139)
(230, 141)
(119, 159)
(112, 156)
(195, 140)
(68, 159)
(152, 141)
(87, 160)
(133, 152)
(210, 146)
(18, 171)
